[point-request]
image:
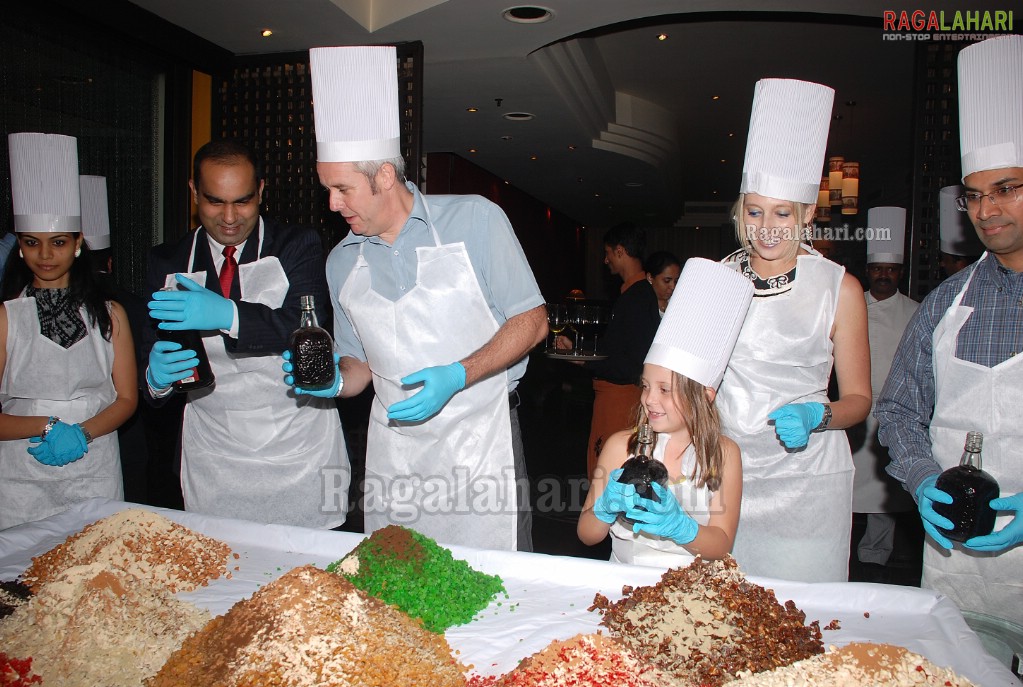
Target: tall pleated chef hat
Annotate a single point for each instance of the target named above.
(702, 322)
(788, 136)
(95, 213)
(958, 237)
(990, 114)
(44, 182)
(887, 239)
(355, 103)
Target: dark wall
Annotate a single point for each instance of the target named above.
(553, 243)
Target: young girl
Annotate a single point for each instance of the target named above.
(698, 513)
(67, 364)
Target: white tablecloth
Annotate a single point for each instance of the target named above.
(548, 595)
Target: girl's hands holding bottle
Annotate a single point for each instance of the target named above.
(665, 518)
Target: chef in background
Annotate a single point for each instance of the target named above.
(959, 244)
(875, 493)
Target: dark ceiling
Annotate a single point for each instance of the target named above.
(624, 126)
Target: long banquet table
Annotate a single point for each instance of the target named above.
(548, 596)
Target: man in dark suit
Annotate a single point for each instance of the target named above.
(251, 448)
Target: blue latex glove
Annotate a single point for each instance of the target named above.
(168, 363)
(63, 444)
(926, 495)
(439, 385)
(1008, 536)
(665, 518)
(325, 393)
(616, 498)
(195, 308)
(794, 422)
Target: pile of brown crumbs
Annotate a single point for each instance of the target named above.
(593, 660)
(312, 628)
(705, 623)
(93, 626)
(142, 544)
(858, 665)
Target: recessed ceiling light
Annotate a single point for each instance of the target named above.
(506, 138)
(532, 157)
(472, 109)
(662, 36)
(571, 147)
(518, 116)
(266, 33)
(715, 97)
(722, 160)
(472, 150)
(527, 14)
(633, 184)
(730, 135)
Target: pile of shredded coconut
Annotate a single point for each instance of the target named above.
(312, 628)
(706, 622)
(858, 665)
(94, 626)
(141, 543)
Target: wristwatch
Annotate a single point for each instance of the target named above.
(50, 422)
(826, 420)
(86, 433)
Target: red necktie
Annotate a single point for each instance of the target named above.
(228, 270)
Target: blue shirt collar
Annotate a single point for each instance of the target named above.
(416, 219)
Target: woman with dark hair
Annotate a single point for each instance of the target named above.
(662, 273)
(67, 364)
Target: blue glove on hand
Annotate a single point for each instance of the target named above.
(439, 385)
(1008, 536)
(63, 444)
(794, 422)
(168, 363)
(665, 518)
(324, 393)
(195, 308)
(926, 495)
(616, 498)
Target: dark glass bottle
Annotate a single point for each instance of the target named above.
(642, 470)
(312, 351)
(202, 375)
(971, 490)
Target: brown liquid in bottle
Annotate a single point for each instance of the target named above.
(971, 490)
(312, 351)
(642, 471)
(201, 375)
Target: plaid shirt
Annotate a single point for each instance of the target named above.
(992, 334)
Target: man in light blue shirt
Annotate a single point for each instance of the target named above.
(435, 305)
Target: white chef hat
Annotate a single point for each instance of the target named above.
(990, 115)
(44, 182)
(958, 237)
(355, 103)
(95, 215)
(788, 135)
(886, 239)
(702, 322)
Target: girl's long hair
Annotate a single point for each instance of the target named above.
(704, 423)
(83, 285)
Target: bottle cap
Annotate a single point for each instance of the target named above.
(307, 302)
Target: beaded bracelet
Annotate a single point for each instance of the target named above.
(49, 425)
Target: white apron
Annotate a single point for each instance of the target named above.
(970, 397)
(43, 378)
(796, 505)
(874, 490)
(657, 552)
(250, 448)
(452, 476)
